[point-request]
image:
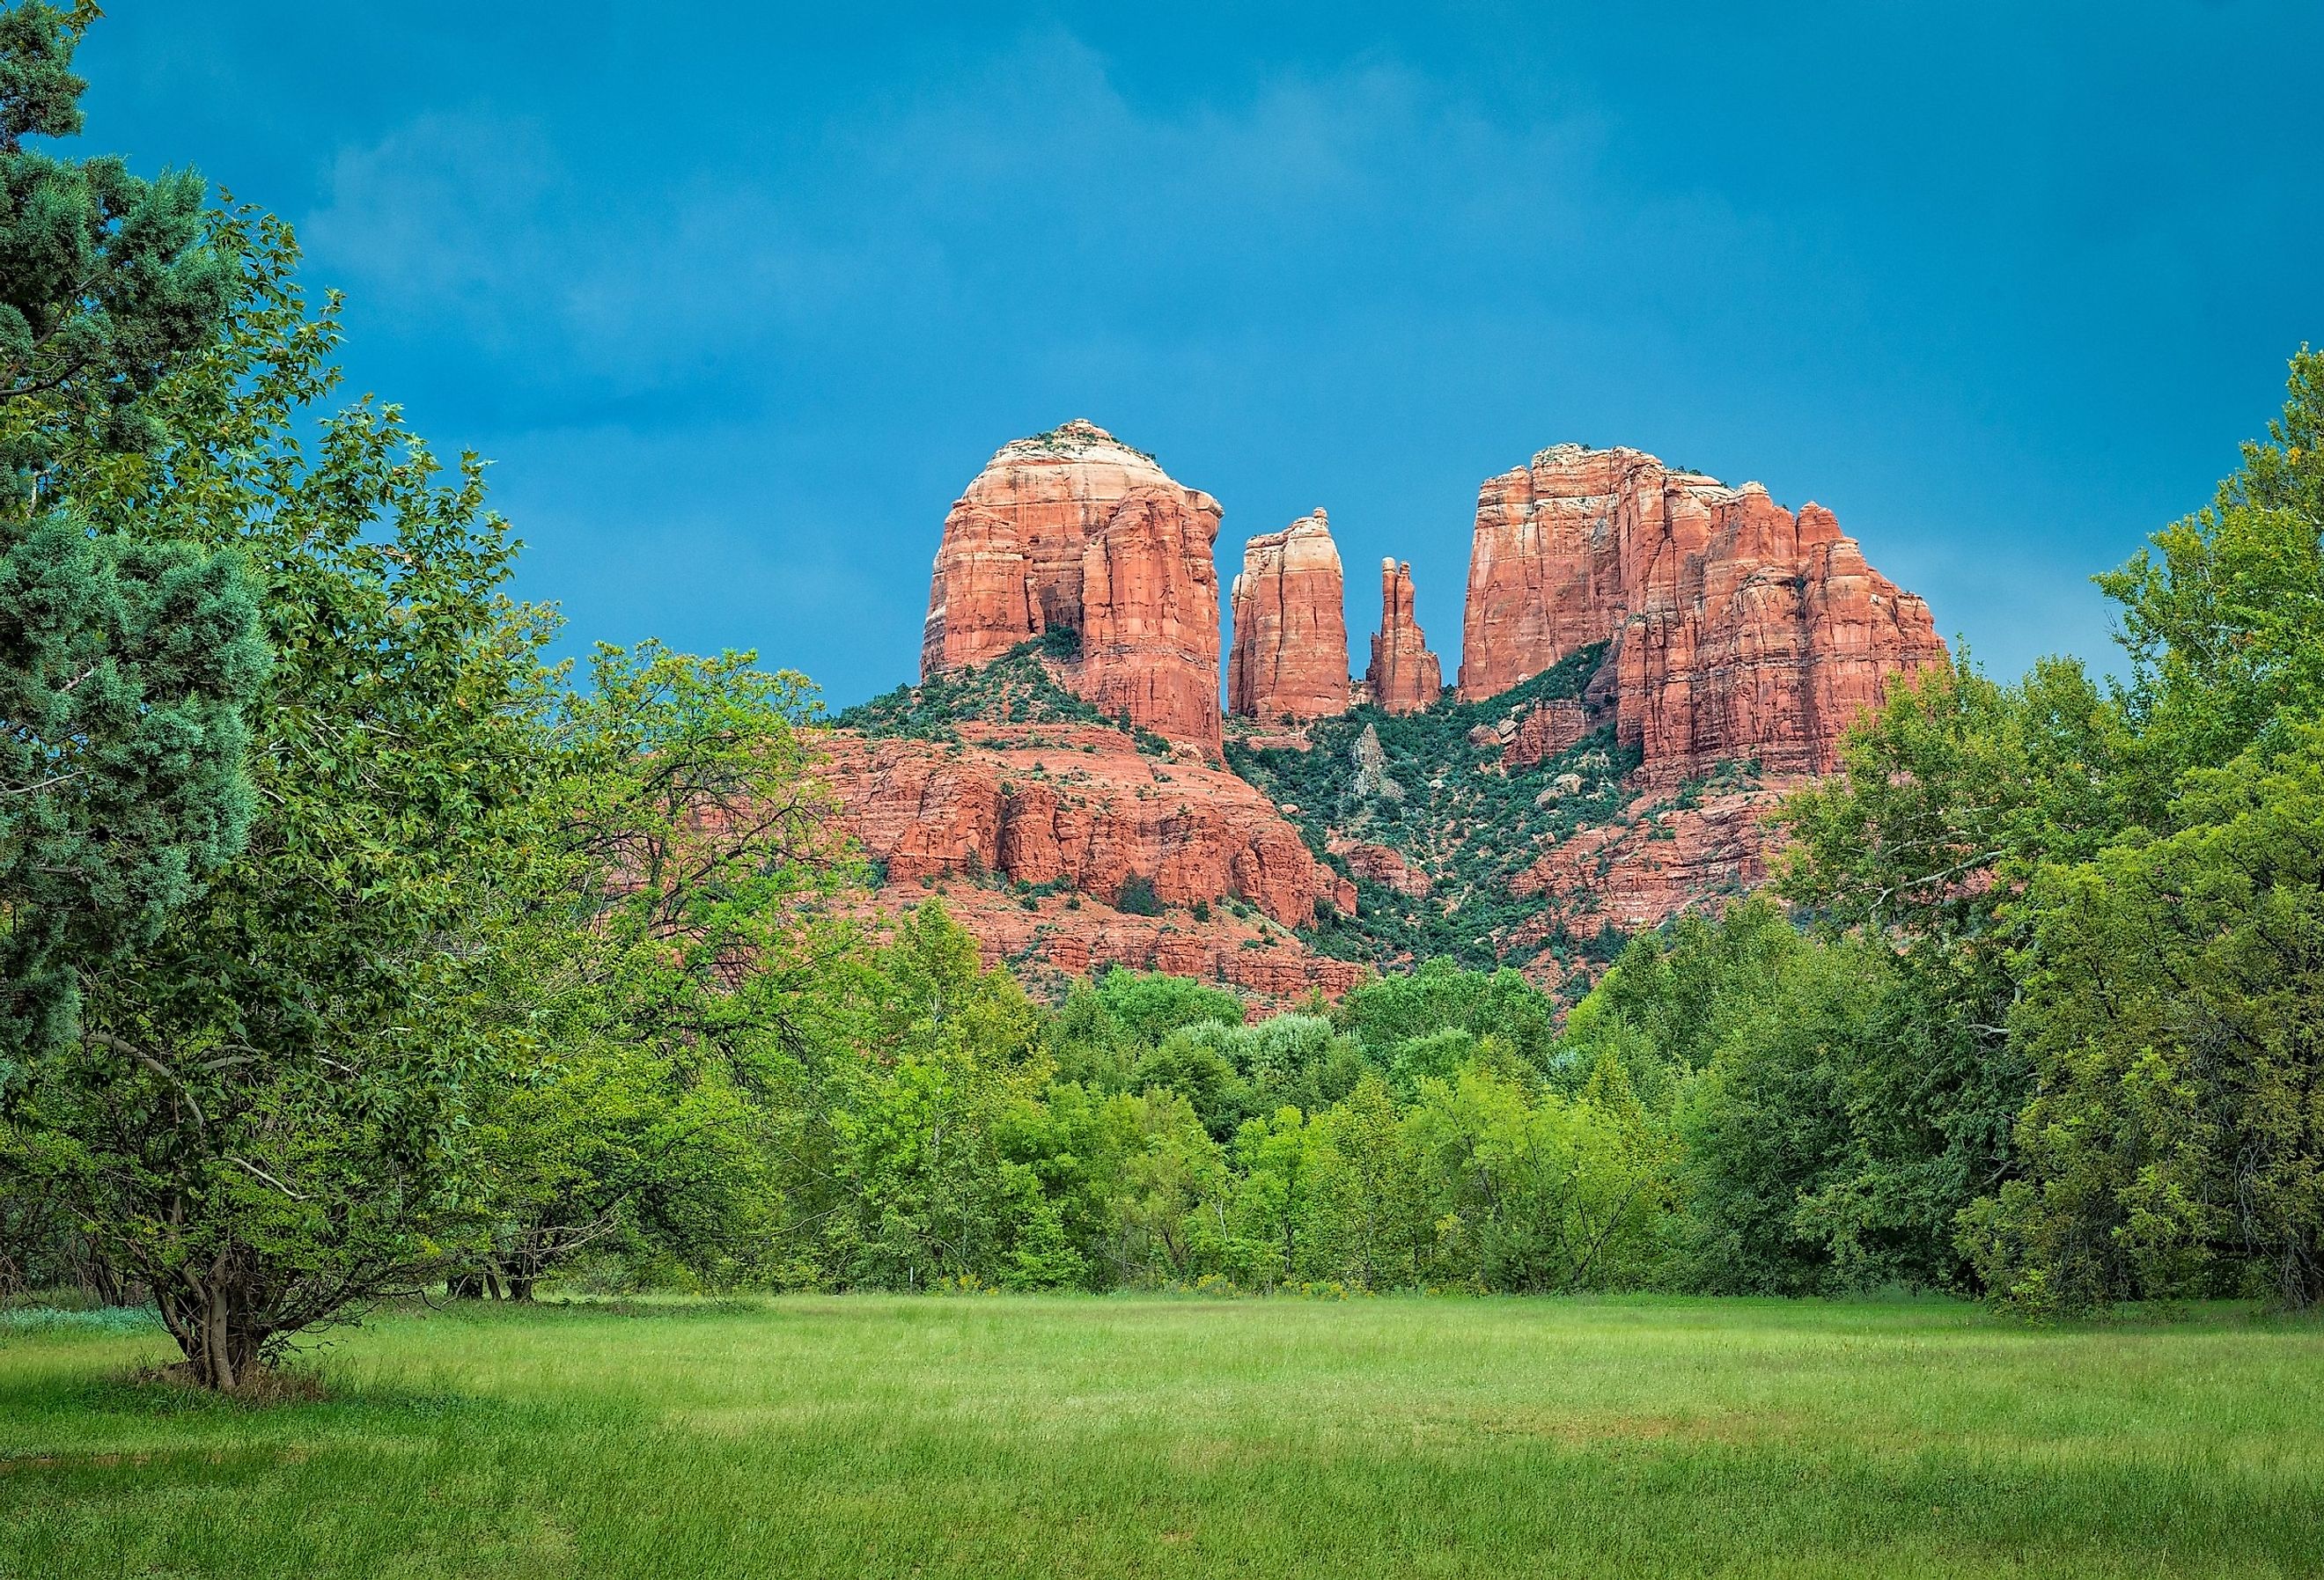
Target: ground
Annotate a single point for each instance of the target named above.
(1055, 1437)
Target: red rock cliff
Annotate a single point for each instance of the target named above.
(1741, 631)
(1404, 676)
(1074, 528)
(1289, 660)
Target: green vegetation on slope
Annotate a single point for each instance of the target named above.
(1015, 689)
(1019, 1437)
(1448, 808)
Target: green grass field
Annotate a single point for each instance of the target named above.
(877, 1437)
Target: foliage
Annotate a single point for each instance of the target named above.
(262, 1121)
(2175, 1144)
(126, 665)
(667, 959)
(1015, 687)
(124, 670)
(2098, 903)
(1418, 785)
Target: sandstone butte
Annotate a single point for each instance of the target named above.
(1404, 676)
(1735, 630)
(1289, 660)
(1739, 631)
(1075, 529)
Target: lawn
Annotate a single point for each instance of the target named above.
(1053, 1436)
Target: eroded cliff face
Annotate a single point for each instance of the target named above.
(1036, 832)
(1404, 676)
(1075, 529)
(1289, 660)
(1074, 807)
(1740, 631)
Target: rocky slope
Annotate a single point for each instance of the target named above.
(1073, 531)
(1739, 630)
(1064, 842)
(1289, 660)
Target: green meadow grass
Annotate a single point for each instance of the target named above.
(1055, 1436)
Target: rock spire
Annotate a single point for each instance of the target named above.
(1404, 676)
(1289, 660)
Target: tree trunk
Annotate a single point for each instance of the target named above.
(211, 1313)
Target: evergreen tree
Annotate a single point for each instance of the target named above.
(125, 662)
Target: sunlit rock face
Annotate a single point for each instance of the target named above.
(1739, 630)
(1289, 660)
(1073, 530)
(1404, 676)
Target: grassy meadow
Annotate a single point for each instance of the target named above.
(1065, 1437)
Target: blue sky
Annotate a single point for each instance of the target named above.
(737, 305)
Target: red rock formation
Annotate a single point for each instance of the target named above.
(1289, 660)
(1742, 631)
(1056, 940)
(1545, 730)
(1078, 808)
(1377, 864)
(1660, 861)
(1074, 528)
(1404, 676)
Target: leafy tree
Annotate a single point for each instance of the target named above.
(924, 1178)
(669, 955)
(1174, 1195)
(263, 1118)
(2223, 617)
(1666, 1006)
(1195, 1069)
(1149, 1005)
(1951, 797)
(1369, 1228)
(1788, 1188)
(1296, 1058)
(1538, 1192)
(1440, 995)
(2175, 1145)
(1276, 1197)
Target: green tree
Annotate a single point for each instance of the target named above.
(1536, 1192)
(923, 1179)
(1950, 798)
(670, 956)
(2223, 615)
(1439, 995)
(264, 1117)
(125, 663)
(2174, 1009)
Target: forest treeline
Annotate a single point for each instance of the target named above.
(350, 947)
